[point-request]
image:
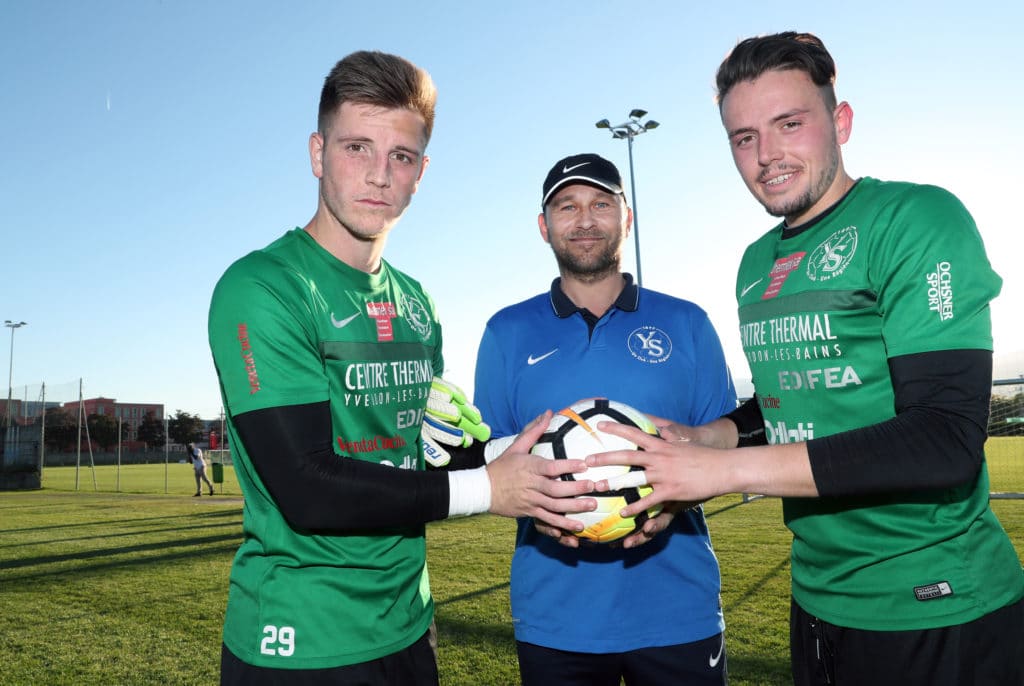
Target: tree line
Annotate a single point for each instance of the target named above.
(62, 430)
(183, 427)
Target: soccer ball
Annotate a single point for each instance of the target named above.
(573, 434)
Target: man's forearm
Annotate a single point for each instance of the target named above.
(778, 470)
(721, 433)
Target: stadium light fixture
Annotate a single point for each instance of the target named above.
(629, 130)
(13, 326)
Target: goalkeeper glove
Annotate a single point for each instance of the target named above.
(450, 419)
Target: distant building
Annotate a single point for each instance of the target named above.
(25, 412)
(130, 414)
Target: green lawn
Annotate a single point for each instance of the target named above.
(1005, 458)
(151, 479)
(130, 588)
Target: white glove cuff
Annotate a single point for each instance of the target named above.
(469, 492)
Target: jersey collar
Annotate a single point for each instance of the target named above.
(791, 231)
(628, 300)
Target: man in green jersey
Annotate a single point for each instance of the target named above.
(325, 355)
(865, 319)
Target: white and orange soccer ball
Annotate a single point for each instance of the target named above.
(573, 434)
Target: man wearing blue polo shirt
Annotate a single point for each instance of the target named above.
(591, 614)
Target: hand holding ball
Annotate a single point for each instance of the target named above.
(573, 434)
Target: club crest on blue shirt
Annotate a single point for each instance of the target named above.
(650, 344)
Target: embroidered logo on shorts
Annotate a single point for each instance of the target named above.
(417, 316)
(933, 591)
(831, 258)
(650, 344)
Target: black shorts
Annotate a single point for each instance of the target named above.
(985, 652)
(701, 663)
(413, 666)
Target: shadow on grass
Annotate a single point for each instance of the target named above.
(190, 516)
(129, 533)
(22, 506)
(758, 586)
(454, 629)
(202, 545)
(725, 509)
(474, 594)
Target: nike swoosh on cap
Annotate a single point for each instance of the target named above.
(531, 360)
(566, 170)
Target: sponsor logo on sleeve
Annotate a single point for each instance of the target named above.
(940, 291)
(248, 359)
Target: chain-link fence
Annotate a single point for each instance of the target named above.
(1004, 450)
(51, 428)
(104, 443)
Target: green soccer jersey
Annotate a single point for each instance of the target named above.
(894, 269)
(290, 325)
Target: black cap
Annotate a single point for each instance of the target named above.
(587, 168)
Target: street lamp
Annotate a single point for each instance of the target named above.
(10, 368)
(629, 130)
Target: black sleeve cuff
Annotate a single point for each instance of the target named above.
(749, 423)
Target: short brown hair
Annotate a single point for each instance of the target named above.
(377, 78)
(788, 50)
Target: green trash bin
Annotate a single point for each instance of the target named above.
(218, 473)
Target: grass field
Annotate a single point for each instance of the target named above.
(1005, 458)
(130, 588)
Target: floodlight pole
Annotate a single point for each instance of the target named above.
(629, 130)
(10, 368)
(167, 446)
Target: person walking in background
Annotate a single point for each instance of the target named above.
(865, 319)
(195, 456)
(326, 356)
(652, 613)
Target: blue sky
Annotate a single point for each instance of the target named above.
(146, 145)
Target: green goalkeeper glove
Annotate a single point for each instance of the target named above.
(450, 419)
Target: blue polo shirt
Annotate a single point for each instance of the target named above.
(661, 355)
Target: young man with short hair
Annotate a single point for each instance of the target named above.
(865, 319)
(326, 355)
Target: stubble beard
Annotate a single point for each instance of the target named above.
(797, 206)
(362, 231)
(589, 267)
